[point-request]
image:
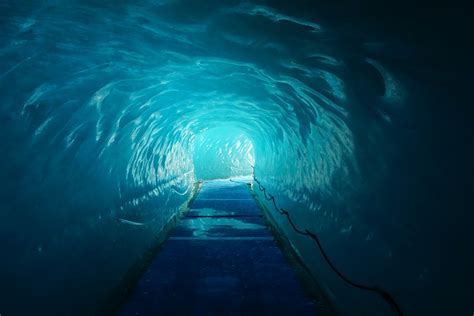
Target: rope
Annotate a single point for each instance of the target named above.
(383, 293)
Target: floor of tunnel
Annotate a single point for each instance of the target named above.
(221, 259)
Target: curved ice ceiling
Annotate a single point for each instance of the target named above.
(112, 111)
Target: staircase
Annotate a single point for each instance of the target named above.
(220, 260)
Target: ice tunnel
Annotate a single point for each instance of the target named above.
(355, 115)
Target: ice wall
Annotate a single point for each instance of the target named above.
(109, 113)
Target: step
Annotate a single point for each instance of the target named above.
(221, 226)
(238, 206)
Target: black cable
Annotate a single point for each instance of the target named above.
(383, 293)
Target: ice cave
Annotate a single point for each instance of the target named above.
(346, 122)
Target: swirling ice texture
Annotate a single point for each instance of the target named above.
(222, 153)
(111, 112)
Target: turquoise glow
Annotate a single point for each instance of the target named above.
(111, 110)
(222, 153)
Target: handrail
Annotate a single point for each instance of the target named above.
(383, 293)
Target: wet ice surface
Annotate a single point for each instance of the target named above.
(220, 265)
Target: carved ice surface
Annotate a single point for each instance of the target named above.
(110, 111)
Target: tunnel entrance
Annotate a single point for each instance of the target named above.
(222, 152)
